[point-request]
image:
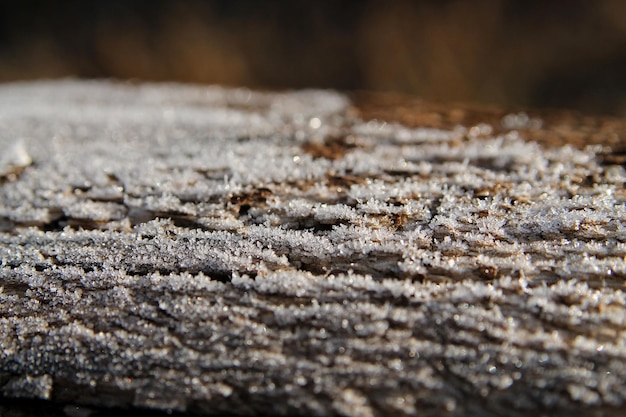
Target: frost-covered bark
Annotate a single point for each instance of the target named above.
(212, 250)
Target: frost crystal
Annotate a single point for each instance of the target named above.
(229, 251)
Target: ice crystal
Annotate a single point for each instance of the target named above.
(216, 250)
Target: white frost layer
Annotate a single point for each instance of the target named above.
(190, 247)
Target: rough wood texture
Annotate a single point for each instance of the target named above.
(210, 250)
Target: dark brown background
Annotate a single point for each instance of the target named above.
(514, 53)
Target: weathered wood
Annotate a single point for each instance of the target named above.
(211, 250)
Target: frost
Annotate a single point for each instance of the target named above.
(184, 247)
(39, 387)
(14, 158)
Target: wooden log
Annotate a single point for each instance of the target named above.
(209, 250)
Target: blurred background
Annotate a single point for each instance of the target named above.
(531, 53)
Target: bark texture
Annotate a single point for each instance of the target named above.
(212, 251)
